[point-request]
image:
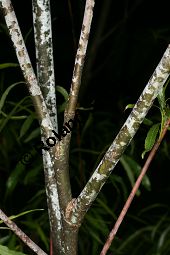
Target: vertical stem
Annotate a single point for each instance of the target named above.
(62, 148)
(46, 80)
(44, 55)
(79, 61)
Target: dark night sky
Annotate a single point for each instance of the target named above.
(123, 50)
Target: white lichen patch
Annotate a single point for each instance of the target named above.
(79, 60)
(122, 143)
(75, 78)
(46, 122)
(35, 90)
(72, 92)
(55, 203)
(98, 177)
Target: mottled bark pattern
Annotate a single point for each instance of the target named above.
(46, 80)
(44, 55)
(79, 61)
(26, 66)
(127, 132)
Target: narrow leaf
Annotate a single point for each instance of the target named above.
(129, 106)
(14, 177)
(21, 214)
(26, 125)
(5, 251)
(2, 100)
(63, 92)
(151, 138)
(33, 135)
(6, 65)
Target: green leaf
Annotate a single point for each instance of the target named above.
(151, 138)
(147, 122)
(42, 235)
(14, 177)
(26, 125)
(64, 93)
(127, 165)
(15, 106)
(2, 100)
(6, 65)
(33, 135)
(21, 214)
(87, 124)
(129, 106)
(106, 208)
(133, 170)
(5, 251)
(14, 117)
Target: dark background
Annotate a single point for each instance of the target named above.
(127, 40)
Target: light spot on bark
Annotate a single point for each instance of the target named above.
(35, 90)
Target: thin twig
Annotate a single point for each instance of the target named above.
(134, 190)
(21, 234)
(79, 61)
(127, 132)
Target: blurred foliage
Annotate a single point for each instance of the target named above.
(120, 59)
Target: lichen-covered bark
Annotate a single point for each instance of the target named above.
(54, 209)
(41, 110)
(44, 55)
(79, 61)
(127, 132)
(71, 230)
(26, 66)
(46, 80)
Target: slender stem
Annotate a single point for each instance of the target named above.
(44, 55)
(79, 61)
(62, 148)
(21, 234)
(46, 80)
(127, 132)
(134, 190)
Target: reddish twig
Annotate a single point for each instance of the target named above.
(134, 190)
(21, 234)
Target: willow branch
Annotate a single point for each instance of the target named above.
(62, 148)
(46, 80)
(79, 60)
(21, 234)
(125, 135)
(134, 190)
